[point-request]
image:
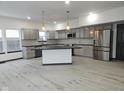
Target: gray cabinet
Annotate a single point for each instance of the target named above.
(52, 35)
(86, 51)
(61, 35)
(28, 52)
(77, 33)
(28, 34)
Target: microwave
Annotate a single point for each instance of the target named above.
(71, 35)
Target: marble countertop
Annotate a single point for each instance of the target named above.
(56, 47)
(39, 45)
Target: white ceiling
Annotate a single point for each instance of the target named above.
(54, 10)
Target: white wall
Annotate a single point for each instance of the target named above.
(73, 23)
(112, 15)
(104, 17)
(12, 23)
(6, 22)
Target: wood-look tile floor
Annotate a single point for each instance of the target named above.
(83, 74)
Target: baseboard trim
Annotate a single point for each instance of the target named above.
(9, 60)
(57, 64)
(82, 56)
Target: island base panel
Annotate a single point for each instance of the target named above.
(57, 56)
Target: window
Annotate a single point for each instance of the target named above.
(43, 35)
(1, 42)
(13, 40)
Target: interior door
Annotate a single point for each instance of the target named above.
(120, 42)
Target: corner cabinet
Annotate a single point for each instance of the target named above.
(29, 34)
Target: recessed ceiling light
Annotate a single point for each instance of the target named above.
(54, 22)
(28, 17)
(67, 2)
(92, 17)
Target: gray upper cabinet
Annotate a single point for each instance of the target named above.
(61, 35)
(29, 34)
(52, 35)
(77, 31)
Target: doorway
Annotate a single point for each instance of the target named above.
(120, 42)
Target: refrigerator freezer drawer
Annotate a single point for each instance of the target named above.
(101, 53)
(106, 56)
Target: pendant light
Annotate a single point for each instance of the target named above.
(68, 21)
(43, 22)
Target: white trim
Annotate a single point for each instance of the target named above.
(20, 39)
(2, 38)
(4, 41)
(6, 37)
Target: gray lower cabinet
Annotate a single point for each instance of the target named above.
(86, 51)
(28, 52)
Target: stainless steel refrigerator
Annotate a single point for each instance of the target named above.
(102, 45)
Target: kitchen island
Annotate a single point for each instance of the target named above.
(57, 54)
(30, 52)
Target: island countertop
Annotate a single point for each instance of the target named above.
(57, 47)
(40, 45)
